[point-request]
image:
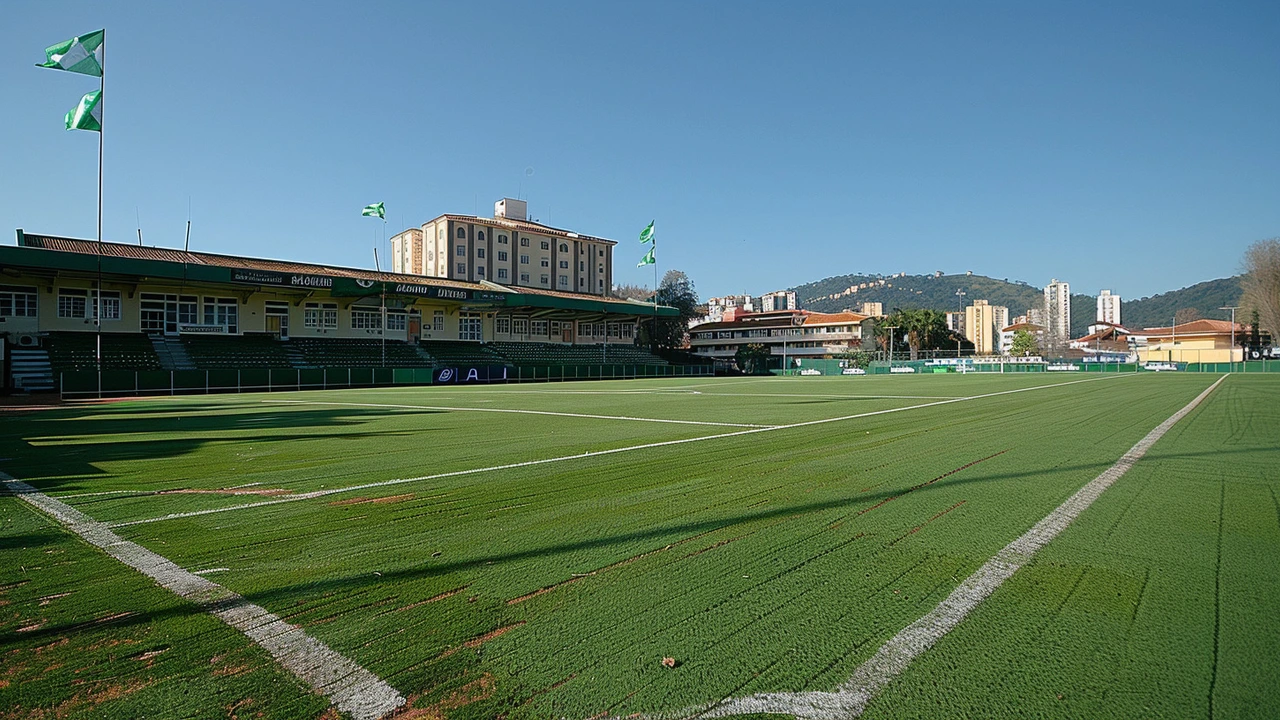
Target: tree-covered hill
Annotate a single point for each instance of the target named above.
(938, 292)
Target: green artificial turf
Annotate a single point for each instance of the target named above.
(769, 561)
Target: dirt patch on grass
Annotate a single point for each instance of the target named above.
(78, 703)
(479, 640)
(375, 501)
(50, 598)
(481, 688)
(442, 596)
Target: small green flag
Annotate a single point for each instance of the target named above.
(647, 259)
(374, 210)
(647, 234)
(88, 114)
(78, 55)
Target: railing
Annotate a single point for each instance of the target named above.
(128, 383)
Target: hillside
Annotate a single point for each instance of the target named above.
(938, 292)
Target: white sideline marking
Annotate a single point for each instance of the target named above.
(349, 687)
(850, 698)
(817, 395)
(519, 412)
(529, 463)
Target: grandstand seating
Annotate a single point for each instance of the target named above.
(72, 351)
(448, 352)
(213, 352)
(551, 354)
(356, 352)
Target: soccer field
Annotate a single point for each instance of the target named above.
(536, 551)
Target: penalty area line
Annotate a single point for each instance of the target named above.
(581, 456)
(348, 686)
(851, 697)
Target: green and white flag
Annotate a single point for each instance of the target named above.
(78, 55)
(646, 236)
(374, 210)
(88, 114)
(647, 259)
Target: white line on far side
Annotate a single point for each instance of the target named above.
(596, 453)
(349, 687)
(518, 412)
(850, 698)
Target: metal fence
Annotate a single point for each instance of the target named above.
(127, 383)
(922, 367)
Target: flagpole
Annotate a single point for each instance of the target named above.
(653, 249)
(102, 113)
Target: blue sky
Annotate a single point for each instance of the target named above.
(1132, 146)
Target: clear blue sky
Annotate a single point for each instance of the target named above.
(1133, 146)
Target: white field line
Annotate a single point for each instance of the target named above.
(597, 453)
(518, 412)
(820, 395)
(850, 698)
(349, 687)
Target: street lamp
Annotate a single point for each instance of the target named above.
(891, 328)
(960, 294)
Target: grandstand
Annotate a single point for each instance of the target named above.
(70, 352)
(445, 352)
(356, 352)
(208, 352)
(554, 354)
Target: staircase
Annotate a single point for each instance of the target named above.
(427, 360)
(31, 370)
(296, 359)
(172, 353)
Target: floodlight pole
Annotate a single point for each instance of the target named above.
(960, 293)
(1231, 354)
(891, 328)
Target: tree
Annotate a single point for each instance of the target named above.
(917, 329)
(1186, 315)
(1255, 337)
(1261, 283)
(752, 359)
(677, 291)
(1024, 344)
(633, 292)
(855, 358)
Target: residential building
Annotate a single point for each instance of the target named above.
(1108, 308)
(718, 306)
(507, 249)
(1007, 333)
(778, 300)
(982, 324)
(793, 333)
(1057, 310)
(955, 322)
(1198, 341)
(872, 309)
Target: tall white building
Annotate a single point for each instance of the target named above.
(778, 300)
(1057, 309)
(1108, 308)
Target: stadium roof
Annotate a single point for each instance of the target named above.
(52, 253)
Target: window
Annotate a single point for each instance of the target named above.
(520, 326)
(555, 327)
(440, 234)
(479, 271)
(110, 305)
(462, 234)
(438, 321)
(462, 268)
(546, 262)
(582, 267)
(628, 331)
(599, 330)
(538, 328)
(582, 282)
(524, 242)
(584, 329)
(564, 264)
(17, 301)
(613, 330)
(502, 326)
(602, 253)
(600, 285)
(480, 236)
(71, 302)
(524, 259)
(397, 320)
(502, 239)
(546, 245)
(564, 281)
(601, 269)
(224, 312)
(502, 256)
(469, 326)
(480, 252)
(321, 316)
(524, 278)
(366, 319)
(462, 251)
(564, 247)
(502, 273)
(546, 279)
